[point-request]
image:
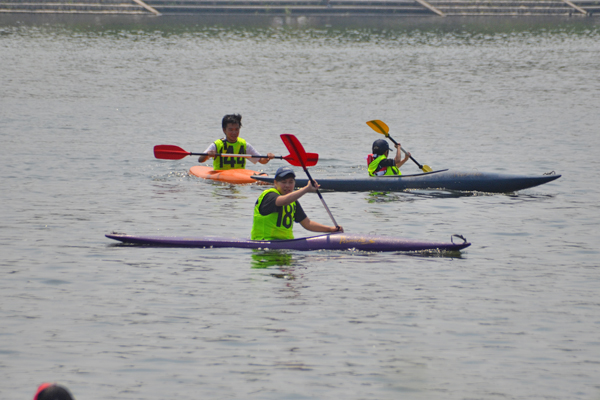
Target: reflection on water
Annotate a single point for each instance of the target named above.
(271, 258)
(436, 254)
(226, 190)
(529, 197)
(351, 29)
(283, 260)
(412, 195)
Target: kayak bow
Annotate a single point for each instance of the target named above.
(238, 176)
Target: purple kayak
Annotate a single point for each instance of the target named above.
(333, 241)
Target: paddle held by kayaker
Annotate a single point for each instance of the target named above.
(378, 162)
(232, 143)
(278, 208)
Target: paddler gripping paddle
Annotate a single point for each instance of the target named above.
(171, 152)
(297, 152)
(381, 127)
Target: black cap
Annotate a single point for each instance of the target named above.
(283, 172)
(380, 146)
(52, 391)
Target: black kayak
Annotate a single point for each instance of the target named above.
(466, 181)
(333, 241)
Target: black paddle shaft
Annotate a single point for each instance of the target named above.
(320, 196)
(411, 157)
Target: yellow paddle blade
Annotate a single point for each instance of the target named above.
(427, 168)
(379, 126)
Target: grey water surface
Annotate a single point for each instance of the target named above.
(514, 316)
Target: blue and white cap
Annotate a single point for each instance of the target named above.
(283, 172)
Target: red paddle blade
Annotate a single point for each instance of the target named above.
(311, 160)
(298, 157)
(170, 152)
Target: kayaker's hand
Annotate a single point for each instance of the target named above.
(209, 154)
(337, 229)
(310, 188)
(265, 160)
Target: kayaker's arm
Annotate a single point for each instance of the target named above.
(211, 153)
(398, 159)
(289, 198)
(317, 227)
(261, 159)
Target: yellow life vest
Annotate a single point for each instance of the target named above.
(275, 226)
(373, 163)
(224, 147)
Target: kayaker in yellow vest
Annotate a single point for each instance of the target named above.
(378, 162)
(278, 208)
(232, 144)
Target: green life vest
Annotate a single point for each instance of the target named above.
(275, 226)
(374, 166)
(224, 147)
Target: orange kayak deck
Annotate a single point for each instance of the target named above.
(237, 176)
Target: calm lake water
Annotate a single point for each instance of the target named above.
(515, 316)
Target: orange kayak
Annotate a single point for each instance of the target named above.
(228, 175)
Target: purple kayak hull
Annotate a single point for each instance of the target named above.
(334, 241)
